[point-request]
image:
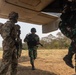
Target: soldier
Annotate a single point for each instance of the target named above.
(32, 41)
(68, 28)
(67, 31)
(8, 34)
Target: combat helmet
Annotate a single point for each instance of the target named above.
(13, 15)
(33, 30)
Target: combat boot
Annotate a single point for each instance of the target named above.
(33, 67)
(68, 61)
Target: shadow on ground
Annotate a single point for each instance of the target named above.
(27, 58)
(23, 59)
(23, 70)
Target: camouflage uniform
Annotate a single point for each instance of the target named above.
(68, 28)
(70, 33)
(9, 57)
(32, 42)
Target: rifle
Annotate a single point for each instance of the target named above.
(40, 44)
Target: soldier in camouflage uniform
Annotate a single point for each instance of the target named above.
(9, 57)
(32, 41)
(68, 28)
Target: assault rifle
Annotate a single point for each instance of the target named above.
(40, 44)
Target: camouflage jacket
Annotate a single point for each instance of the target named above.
(8, 30)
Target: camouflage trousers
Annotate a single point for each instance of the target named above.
(70, 34)
(72, 50)
(9, 59)
(32, 54)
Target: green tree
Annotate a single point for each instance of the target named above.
(59, 42)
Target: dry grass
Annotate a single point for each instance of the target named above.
(48, 62)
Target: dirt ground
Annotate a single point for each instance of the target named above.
(48, 62)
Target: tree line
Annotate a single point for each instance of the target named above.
(53, 42)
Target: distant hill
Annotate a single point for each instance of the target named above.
(48, 38)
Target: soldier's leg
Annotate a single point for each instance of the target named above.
(32, 63)
(68, 57)
(35, 52)
(31, 58)
(6, 61)
(14, 64)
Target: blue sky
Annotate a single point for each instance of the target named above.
(25, 29)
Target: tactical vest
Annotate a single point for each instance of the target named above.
(32, 40)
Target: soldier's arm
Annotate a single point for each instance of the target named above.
(38, 41)
(26, 38)
(40, 44)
